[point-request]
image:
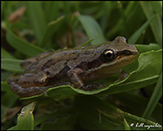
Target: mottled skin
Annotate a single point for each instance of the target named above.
(76, 66)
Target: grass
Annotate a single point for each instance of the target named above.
(45, 26)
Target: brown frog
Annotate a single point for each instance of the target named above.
(75, 66)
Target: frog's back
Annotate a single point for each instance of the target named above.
(65, 60)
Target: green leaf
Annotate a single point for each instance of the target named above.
(3, 111)
(21, 45)
(37, 19)
(9, 97)
(25, 118)
(11, 65)
(92, 29)
(145, 48)
(40, 119)
(87, 42)
(12, 128)
(154, 98)
(149, 8)
(51, 10)
(5, 54)
(135, 104)
(59, 92)
(136, 35)
(65, 123)
(51, 28)
(127, 127)
(96, 114)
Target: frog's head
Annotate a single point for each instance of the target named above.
(116, 54)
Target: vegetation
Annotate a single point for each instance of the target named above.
(30, 28)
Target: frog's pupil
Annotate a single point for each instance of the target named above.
(109, 54)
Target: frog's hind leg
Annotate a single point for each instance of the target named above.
(31, 91)
(26, 92)
(29, 84)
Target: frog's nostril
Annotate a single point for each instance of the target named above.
(47, 72)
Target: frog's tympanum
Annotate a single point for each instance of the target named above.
(78, 66)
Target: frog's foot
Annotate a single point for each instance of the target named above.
(122, 75)
(40, 89)
(92, 86)
(26, 92)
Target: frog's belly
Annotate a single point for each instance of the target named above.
(96, 75)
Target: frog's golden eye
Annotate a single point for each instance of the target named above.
(109, 54)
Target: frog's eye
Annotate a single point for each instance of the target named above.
(109, 54)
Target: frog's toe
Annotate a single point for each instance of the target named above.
(92, 86)
(44, 92)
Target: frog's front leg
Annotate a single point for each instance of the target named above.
(121, 75)
(75, 78)
(73, 75)
(29, 84)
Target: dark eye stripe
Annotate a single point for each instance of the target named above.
(124, 52)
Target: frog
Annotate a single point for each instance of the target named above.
(78, 67)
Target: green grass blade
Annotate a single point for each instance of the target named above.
(87, 42)
(51, 28)
(149, 8)
(9, 97)
(154, 99)
(22, 45)
(92, 29)
(37, 19)
(26, 119)
(11, 65)
(137, 105)
(106, 5)
(5, 54)
(136, 35)
(96, 114)
(127, 127)
(51, 10)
